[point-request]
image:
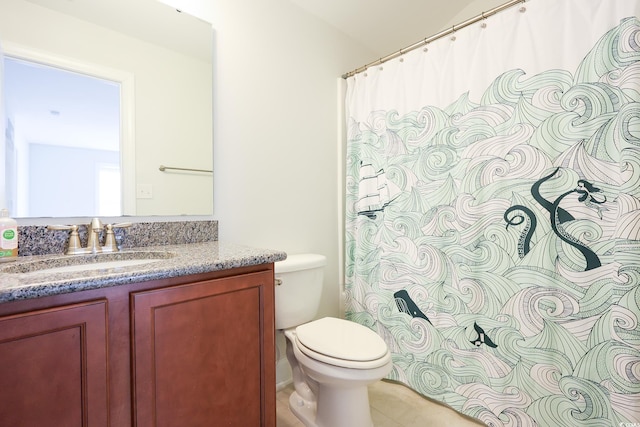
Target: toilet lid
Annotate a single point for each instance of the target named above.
(341, 339)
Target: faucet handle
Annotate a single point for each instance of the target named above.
(62, 227)
(74, 246)
(121, 225)
(110, 244)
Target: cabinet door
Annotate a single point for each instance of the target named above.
(53, 367)
(204, 354)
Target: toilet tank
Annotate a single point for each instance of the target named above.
(298, 289)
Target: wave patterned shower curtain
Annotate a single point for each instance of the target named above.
(493, 214)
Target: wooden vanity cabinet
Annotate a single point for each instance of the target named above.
(199, 353)
(53, 367)
(190, 351)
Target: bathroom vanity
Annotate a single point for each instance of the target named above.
(186, 339)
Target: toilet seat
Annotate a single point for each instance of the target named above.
(342, 343)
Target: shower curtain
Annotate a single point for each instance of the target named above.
(492, 229)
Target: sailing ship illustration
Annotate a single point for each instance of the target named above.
(375, 190)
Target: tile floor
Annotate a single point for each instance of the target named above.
(392, 405)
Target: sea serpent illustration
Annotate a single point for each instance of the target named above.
(557, 216)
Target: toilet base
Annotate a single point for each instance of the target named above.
(327, 395)
(344, 408)
(304, 410)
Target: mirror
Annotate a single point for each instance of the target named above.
(160, 62)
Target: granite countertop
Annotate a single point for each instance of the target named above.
(17, 283)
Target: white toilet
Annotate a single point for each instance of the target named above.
(332, 360)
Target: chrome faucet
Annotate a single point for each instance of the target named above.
(94, 228)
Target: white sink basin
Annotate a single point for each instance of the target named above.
(74, 264)
(96, 266)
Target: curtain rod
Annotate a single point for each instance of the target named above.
(428, 40)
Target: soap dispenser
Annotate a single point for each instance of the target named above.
(8, 237)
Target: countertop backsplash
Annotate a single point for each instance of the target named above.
(38, 240)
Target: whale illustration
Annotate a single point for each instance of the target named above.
(406, 305)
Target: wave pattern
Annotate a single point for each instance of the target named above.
(545, 333)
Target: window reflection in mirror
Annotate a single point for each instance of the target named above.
(64, 137)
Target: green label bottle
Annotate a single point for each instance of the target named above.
(8, 237)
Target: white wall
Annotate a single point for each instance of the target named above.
(276, 144)
(276, 73)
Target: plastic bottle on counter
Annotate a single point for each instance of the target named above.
(8, 237)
